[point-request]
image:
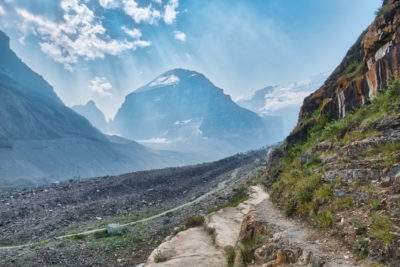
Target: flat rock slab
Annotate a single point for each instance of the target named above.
(193, 246)
(227, 224)
(227, 221)
(196, 246)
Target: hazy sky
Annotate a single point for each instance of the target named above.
(105, 49)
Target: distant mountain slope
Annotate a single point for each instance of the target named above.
(183, 108)
(91, 112)
(42, 140)
(34, 117)
(12, 67)
(282, 101)
(256, 102)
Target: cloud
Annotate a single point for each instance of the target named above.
(109, 3)
(134, 33)
(141, 14)
(145, 14)
(141, 43)
(101, 86)
(2, 11)
(170, 11)
(291, 95)
(80, 35)
(181, 36)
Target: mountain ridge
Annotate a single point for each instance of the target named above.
(181, 103)
(43, 141)
(91, 112)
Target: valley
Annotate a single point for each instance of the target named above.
(38, 217)
(137, 159)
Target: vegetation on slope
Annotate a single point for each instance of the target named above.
(309, 181)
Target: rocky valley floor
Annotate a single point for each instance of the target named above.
(36, 218)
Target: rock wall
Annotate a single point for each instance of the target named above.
(367, 68)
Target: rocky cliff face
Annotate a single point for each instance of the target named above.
(340, 168)
(368, 67)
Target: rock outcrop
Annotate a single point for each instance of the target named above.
(339, 169)
(368, 67)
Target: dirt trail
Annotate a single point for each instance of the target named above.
(227, 222)
(293, 234)
(196, 246)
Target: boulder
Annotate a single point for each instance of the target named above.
(114, 229)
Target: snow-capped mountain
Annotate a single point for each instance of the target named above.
(183, 110)
(91, 112)
(42, 140)
(283, 101)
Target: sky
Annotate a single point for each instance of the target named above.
(102, 50)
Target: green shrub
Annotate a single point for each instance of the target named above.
(324, 220)
(290, 206)
(78, 237)
(360, 247)
(194, 221)
(160, 257)
(375, 204)
(230, 257)
(313, 159)
(324, 192)
(382, 228)
(306, 188)
(101, 234)
(238, 197)
(308, 172)
(247, 248)
(278, 187)
(210, 230)
(382, 10)
(179, 229)
(344, 203)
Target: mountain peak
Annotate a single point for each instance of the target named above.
(180, 72)
(170, 78)
(91, 103)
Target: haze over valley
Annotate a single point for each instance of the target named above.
(211, 133)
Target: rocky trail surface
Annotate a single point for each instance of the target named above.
(280, 241)
(196, 245)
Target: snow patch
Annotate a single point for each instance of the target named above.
(165, 80)
(182, 122)
(155, 141)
